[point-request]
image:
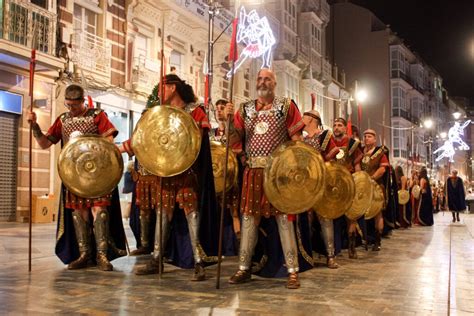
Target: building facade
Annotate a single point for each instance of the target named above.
(113, 48)
(404, 92)
(25, 26)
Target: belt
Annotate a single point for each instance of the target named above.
(257, 162)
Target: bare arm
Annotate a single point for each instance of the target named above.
(404, 183)
(41, 139)
(423, 184)
(297, 136)
(379, 173)
(357, 167)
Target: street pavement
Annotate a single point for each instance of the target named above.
(420, 271)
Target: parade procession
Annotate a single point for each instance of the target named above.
(274, 178)
(258, 157)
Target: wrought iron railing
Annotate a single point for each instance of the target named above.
(91, 52)
(29, 25)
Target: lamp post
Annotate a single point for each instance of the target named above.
(428, 124)
(360, 96)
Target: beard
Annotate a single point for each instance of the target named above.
(264, 93)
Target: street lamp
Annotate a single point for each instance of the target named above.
(361, 96)
(443, 135)
(428, 123)
(457, 115)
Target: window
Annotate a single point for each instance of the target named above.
(398, 63)
(40, 3)
(399, 107)
(141, 47)
(85, 20)
(176, 61)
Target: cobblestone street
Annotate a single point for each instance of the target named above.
(421, 270)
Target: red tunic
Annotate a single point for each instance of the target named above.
(352, 152)
(264, 130)
(92, 121)
(324, 143)
(165, 192)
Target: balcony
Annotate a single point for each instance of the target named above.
(91, 53)
(324, 11)
(302, 52)
(29, 25)
(326, 71)
(145, 73)
(401, 75)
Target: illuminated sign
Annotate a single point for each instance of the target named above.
(454, 138)
(11, 102)
(257, 36)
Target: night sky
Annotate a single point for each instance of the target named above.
(441, 32)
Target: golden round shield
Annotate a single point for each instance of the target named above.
(218, 161)
(90, 166)
(166, 140)
(294, 177)
(403, 197)
(363, 195)
(339, 192)
(377, 202)
(416, 191)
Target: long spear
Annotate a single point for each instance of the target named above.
(30, 171)
(162, 94)
(233, 56)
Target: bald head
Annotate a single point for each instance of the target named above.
(266, 72)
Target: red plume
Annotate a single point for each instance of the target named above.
(313, 100)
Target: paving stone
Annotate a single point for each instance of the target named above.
(420, 271)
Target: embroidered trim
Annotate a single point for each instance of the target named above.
(354, 146)
(326, 137)
(292, 130)
(109, 132)
(61, 216)
(305, 255)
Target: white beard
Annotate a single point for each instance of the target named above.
(264, 93)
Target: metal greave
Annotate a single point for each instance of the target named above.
(193, 227)
(101, 231)
(327, 229)
(165, 225)
(145, 228)
(83, 232)
(288, 242)
(248, 241)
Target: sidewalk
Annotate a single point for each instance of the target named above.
(420, 271)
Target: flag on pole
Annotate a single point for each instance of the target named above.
(32, 69)
(205, 71)
(233, 51)
(349, 118)
(90, 104)
(206, 91)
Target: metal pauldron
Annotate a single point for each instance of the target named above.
(257, 162)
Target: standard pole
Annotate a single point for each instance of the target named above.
(223, 206)
(162, 92)
(30, 150)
